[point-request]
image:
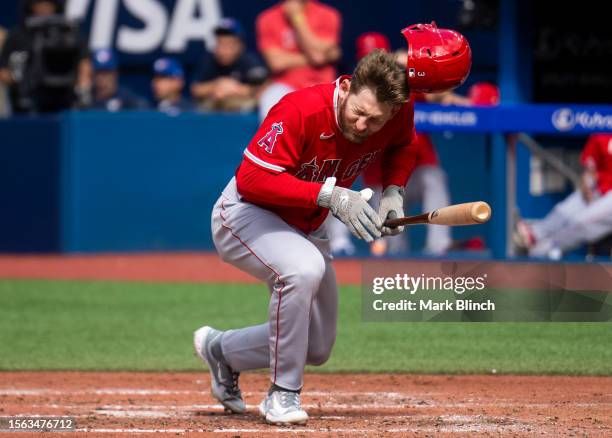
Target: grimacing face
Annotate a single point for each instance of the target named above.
(360, 115)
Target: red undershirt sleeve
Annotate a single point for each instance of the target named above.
(399, 159)
(398, 164)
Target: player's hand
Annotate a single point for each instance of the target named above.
(352, 209)
(391, 207)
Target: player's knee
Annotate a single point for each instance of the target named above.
(310, 271)
(319, 354)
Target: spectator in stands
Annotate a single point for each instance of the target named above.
(5, 109)
(229, 78)
(168, 84)
(299, 40)
(584, 216)
(38, 79)
(107, 93)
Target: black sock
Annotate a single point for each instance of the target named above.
(275, 387)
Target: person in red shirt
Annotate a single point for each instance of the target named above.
(299, 40)
(584, 216)
(298, 167)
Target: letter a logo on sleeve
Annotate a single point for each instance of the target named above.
(269, 140)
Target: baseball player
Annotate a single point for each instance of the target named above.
(427, 185)
(584, 216)
(298, 167)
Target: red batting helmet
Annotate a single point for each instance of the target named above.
(366, 42)
(483, 93)
(438, 59)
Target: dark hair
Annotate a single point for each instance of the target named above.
(379, 71)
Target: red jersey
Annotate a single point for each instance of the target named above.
(301, 141)
(275, 32)
(425, 154)
(597, 154)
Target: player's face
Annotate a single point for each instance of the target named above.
(360, 114)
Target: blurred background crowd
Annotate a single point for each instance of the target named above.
(46, 66)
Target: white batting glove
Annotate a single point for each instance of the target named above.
(391, 207)
(352, 209)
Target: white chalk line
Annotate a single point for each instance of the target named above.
(444, 423)
(135, 391)
(318, 405)
(325, 430)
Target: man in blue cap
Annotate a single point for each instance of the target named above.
(107, 94)
(168, 85)
(229, 78)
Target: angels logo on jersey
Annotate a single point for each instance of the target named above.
(311, 171)
(269, 140)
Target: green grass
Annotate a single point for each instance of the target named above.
(61, 325)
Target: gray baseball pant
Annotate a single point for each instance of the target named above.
(303, 308)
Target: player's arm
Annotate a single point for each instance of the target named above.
(399, 158)
(319, 50)
(263, 187)
(263, 176)
(398, 163)
(256, 185)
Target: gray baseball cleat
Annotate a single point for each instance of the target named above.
(224, 380)
(282, 408)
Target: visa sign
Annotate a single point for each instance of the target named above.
(159, 29)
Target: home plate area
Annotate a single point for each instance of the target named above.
(111, 404)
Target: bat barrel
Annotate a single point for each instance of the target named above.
(481, 212)
(470, 213)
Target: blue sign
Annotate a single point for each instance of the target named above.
(533, 118)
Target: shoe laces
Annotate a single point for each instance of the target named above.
(290, 399)
(233, 388)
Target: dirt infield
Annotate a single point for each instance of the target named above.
(171, 267)
(119, 404)
(116, 404)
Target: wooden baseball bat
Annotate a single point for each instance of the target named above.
(470, 213)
